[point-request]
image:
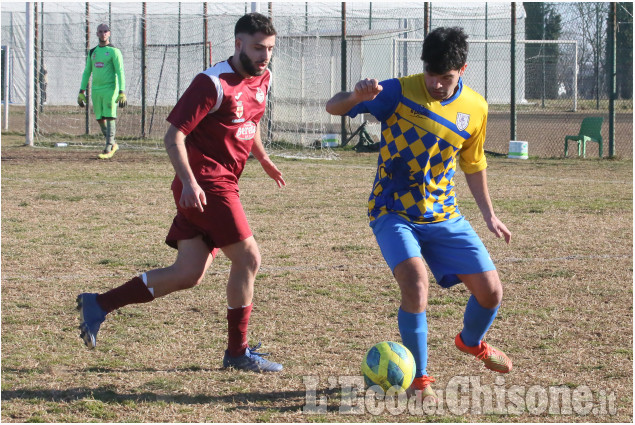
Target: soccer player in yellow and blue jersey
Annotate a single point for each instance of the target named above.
(105, 63)
(429, 122)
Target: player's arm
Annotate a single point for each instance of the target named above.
(86, 75)
(81, 98)
(258, 150)
(121, 78)
(477, 182)
(118, 65)
(192, 195)
(343, 102)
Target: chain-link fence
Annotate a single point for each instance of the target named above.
(557, 82)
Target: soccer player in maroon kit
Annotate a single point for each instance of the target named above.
(214, 127)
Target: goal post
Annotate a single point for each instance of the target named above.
(488, 70)
(5, 86)
(30, 76)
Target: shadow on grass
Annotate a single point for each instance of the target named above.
(102, 369)
(282, 401)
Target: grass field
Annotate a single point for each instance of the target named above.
(323, 295)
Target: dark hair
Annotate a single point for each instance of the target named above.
(444, 49)
(252, 23)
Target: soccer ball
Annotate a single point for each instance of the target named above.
(389, 364)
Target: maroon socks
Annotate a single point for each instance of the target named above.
(132, 292)
(237, 322)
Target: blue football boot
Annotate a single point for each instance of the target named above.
(251, 360)
(91, 316)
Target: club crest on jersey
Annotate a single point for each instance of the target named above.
(260, 96)
(239, 110)
(247, 131)
(462, 120)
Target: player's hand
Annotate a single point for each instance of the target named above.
(81, 99)
(498, 228)
(367, 89)
(192, 196)
(121, 99)
(273, 172)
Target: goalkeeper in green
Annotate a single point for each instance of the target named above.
(105, 63)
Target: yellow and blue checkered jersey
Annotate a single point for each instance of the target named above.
(421, 138)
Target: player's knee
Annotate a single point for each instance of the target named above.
(190, 278)
(420, 297)
(414, 297)
(250, 260)
(493, 298)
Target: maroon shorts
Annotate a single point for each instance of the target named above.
(222, 222)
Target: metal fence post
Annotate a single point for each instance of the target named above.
(205, 60)
(426, 18)
(486, 51)
(513, 75)
(597, 56)
(343, 69)
(612, 65)
(143, 69)
(36, 80)
(42, 77)
(178, 57)
(405, 49)
(270, 95)
(87, 106)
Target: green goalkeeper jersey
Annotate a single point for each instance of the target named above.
(106, 65)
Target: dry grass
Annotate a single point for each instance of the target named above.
(323, 296)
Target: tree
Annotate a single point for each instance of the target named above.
(543, 22)
(625, 50)
(590, 32)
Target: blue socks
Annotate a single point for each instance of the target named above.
(413, 328)
(476, 322)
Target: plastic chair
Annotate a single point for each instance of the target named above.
(590, 131)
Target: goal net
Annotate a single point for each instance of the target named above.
(158, 69)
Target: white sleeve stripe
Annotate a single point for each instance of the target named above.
(219, 93)
(213, 73)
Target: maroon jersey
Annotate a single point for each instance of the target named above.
(219, 114)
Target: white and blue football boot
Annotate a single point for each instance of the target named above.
(251, 360)
(91, 316)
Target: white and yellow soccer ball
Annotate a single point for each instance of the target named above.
(389, 364)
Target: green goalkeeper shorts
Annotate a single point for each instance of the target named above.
(105, 103)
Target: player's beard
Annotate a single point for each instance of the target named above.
(249, 66)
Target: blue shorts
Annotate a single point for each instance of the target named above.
(449, 247)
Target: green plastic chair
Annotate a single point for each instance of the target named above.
(590, 131)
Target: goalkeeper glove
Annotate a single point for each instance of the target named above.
(121, 99)
(81, 99)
